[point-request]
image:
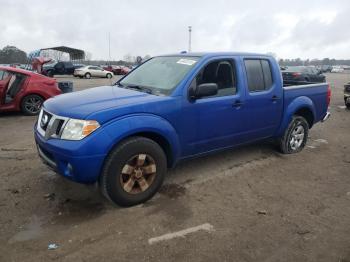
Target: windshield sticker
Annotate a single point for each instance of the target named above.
(186, 62)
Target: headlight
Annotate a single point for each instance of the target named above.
(77, 129)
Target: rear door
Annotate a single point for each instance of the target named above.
(264, 101)
(59, 68)
(100, 72)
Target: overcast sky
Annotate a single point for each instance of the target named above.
(305, 29)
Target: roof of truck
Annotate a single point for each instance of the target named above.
(210, 54)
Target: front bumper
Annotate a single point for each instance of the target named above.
(80, 161)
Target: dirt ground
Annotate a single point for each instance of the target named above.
(262, 206)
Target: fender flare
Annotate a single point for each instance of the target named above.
(130, 125)
(302, 102)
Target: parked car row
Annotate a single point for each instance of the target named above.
(79, 70)
(302, 74)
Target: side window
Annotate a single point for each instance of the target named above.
(5, 75)
(220, 72)
(258, 74)
(267, 74)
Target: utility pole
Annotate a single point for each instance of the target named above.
(189, 38)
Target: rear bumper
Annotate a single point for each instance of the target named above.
(325, 118)
(79, 161)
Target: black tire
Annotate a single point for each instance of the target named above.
(87, 75)
(50, 73)
(347, 102)
(31, 105)
(109, 75)
(111, 179)
(286, 142)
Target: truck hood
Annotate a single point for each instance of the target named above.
(81, 104)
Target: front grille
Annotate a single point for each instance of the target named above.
(50, 125)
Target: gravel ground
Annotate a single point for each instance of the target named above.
(261, 205)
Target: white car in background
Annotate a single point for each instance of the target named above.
(337, 69)
(92, 71)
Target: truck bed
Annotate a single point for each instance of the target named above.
(316, 92)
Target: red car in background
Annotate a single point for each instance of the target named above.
(117, 70)
(22, 90)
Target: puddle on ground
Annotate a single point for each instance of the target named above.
(31, 231)
(172, 190)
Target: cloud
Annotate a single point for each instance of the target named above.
(303, 29)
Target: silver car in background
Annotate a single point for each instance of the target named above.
(92, 71)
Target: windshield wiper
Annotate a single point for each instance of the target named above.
(140, 88)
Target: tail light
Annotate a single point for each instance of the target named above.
(296, 74)
(329, 94)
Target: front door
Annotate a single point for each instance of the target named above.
(215, 122)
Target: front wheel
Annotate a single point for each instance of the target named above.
(109, 76)
(133, 172)
(31, 104)
(87, 75)
(295, 136)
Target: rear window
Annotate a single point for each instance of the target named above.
(258, 74)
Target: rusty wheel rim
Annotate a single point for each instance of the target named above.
(138, 174)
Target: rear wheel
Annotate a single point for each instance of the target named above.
(31, 104)
(295, 136)
(87, 75)
(109, 76)
(133, 172)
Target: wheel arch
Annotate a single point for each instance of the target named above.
(302, 106)
(152, 127)
(31, 93)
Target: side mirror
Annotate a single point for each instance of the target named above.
(207, 89)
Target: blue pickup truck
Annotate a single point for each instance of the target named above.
(170, 108)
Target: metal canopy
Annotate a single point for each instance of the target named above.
(74, 54)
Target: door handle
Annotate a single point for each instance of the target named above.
(237, 103)
(274, 98)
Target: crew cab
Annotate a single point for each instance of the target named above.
(22, 90)
(171, 108)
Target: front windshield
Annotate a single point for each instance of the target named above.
(160, 74)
